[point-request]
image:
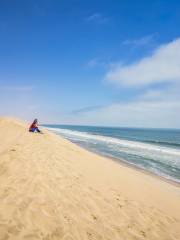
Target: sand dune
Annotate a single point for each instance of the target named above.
(53, 189)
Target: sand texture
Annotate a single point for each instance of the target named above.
(52, 189)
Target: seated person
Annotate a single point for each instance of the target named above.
(34, 127)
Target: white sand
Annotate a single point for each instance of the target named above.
(53, 189)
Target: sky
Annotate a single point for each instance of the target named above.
(105, 62)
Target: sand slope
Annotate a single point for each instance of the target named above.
(53, 189)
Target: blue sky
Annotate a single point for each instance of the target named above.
(91, 62)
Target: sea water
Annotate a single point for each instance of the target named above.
(154, 150)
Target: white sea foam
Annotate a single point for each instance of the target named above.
(118, 142)
(161, 160)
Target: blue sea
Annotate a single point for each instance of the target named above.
(154, 150)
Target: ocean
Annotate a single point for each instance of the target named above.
(154, 150)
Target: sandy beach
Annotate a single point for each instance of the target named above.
(52, 189)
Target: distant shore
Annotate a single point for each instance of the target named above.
(51, 188)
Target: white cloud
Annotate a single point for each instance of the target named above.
(97, 18)
(141, 113)
(171, 93)
(95, 62)
(159, 103)
(141, 41)
(162, 66)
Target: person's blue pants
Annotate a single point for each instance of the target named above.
(34, 129)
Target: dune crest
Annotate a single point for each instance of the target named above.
(53, 189)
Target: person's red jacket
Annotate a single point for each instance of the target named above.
(33, 125)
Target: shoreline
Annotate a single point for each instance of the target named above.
(123, 162)
(133, 166)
